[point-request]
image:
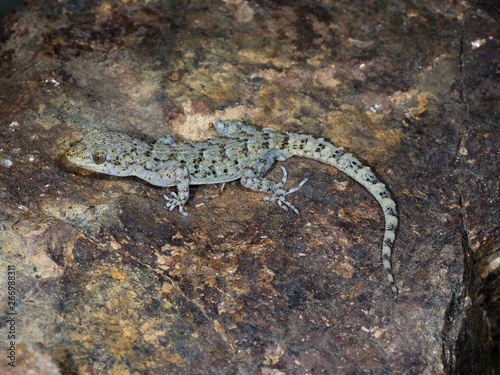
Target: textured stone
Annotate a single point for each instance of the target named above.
(111, 282)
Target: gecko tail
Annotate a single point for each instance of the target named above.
(326, 152)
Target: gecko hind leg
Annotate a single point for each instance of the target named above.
(279, 194)
(252, 179)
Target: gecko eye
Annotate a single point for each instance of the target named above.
(98, 156)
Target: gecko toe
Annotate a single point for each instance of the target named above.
(173, 202)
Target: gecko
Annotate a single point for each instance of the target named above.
(240, 152)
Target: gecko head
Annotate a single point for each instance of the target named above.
(109, 153)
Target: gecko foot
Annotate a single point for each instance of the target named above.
(173, 202)
(280, 193)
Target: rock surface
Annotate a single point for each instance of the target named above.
(108, 281)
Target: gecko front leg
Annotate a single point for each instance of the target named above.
(178, 175)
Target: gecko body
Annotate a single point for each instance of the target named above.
(241, 152)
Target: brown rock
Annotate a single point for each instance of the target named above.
(111, 282)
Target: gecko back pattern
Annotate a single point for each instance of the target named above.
(241, 152)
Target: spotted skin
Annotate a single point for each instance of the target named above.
(242, 152)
